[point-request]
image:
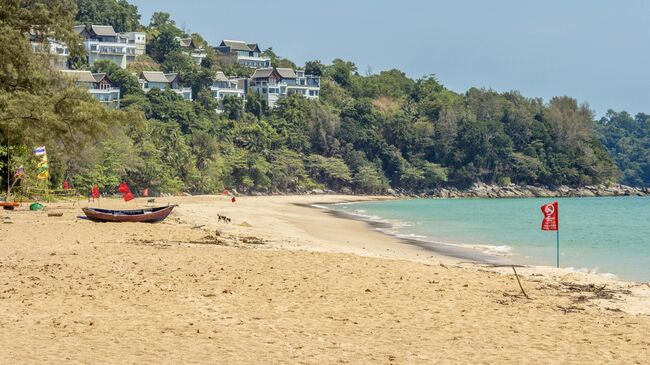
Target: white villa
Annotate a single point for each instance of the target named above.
(245, 54)
(223, 86)
(98, 85)
(275, 83)
(139, 39)
(103, 43)
(191, 49)
(60, 51)
(158, 80)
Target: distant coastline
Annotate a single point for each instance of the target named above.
(529, 191)
(480, 190)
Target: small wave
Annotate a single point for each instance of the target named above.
(320, 206)
(492, 250)
(392, 227)
(594, 271)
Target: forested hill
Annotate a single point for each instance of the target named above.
(367, 133)
(628, 140)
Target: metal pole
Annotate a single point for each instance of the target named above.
(8, 163)
(558, 248)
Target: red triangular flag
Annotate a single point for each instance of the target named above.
(127, 196)
(145, 192)
(66, 185)
(124, 188)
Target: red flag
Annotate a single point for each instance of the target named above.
(95, 192)
(145, 192)
(66, 185)
(225, 192)
(233, 199)
(126, 192)
(551, 221)
(127, 196)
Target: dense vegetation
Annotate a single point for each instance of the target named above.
(366, 134)
(628, 140)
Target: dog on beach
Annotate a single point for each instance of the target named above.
(223, 218)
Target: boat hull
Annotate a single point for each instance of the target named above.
(145, 215)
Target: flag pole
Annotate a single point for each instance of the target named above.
(558, 248)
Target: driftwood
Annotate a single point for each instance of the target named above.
(519, 282)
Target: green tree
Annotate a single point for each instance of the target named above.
(341, 72)
(120, 14)
(315, 68)
(233, 107)
(162, 42)
(256, 105)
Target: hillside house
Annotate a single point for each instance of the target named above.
(103, 43)
(275, 83)
(223, 86)
(150, 80)
(139, 39)
(98, 85)
(242, 53)
(193, 50)
(59, 51)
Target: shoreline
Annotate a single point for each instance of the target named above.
(439, 248)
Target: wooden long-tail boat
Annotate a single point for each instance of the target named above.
(145, 215)
(9, 205)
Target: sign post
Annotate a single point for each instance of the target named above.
(551, 222)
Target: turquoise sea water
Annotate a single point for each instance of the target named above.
(604, 235)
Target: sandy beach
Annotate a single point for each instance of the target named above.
(287, 283)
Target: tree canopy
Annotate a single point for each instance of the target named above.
(366, 133)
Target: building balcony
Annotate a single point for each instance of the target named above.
(252, 58)
(220, 93)
(112, 48)
(112, 92)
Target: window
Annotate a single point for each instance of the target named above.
(263, 90)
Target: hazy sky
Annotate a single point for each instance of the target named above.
(597, 51)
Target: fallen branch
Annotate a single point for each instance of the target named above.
(519, 282)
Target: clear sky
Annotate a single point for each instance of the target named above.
(597, 51)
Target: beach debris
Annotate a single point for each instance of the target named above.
(569, 309)
(519, 282)
(245, 224)
(223, 218)
(152, 200)
(613, 309)
(36, 206)
(253, 240)
(198, 226)
(55, 214)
